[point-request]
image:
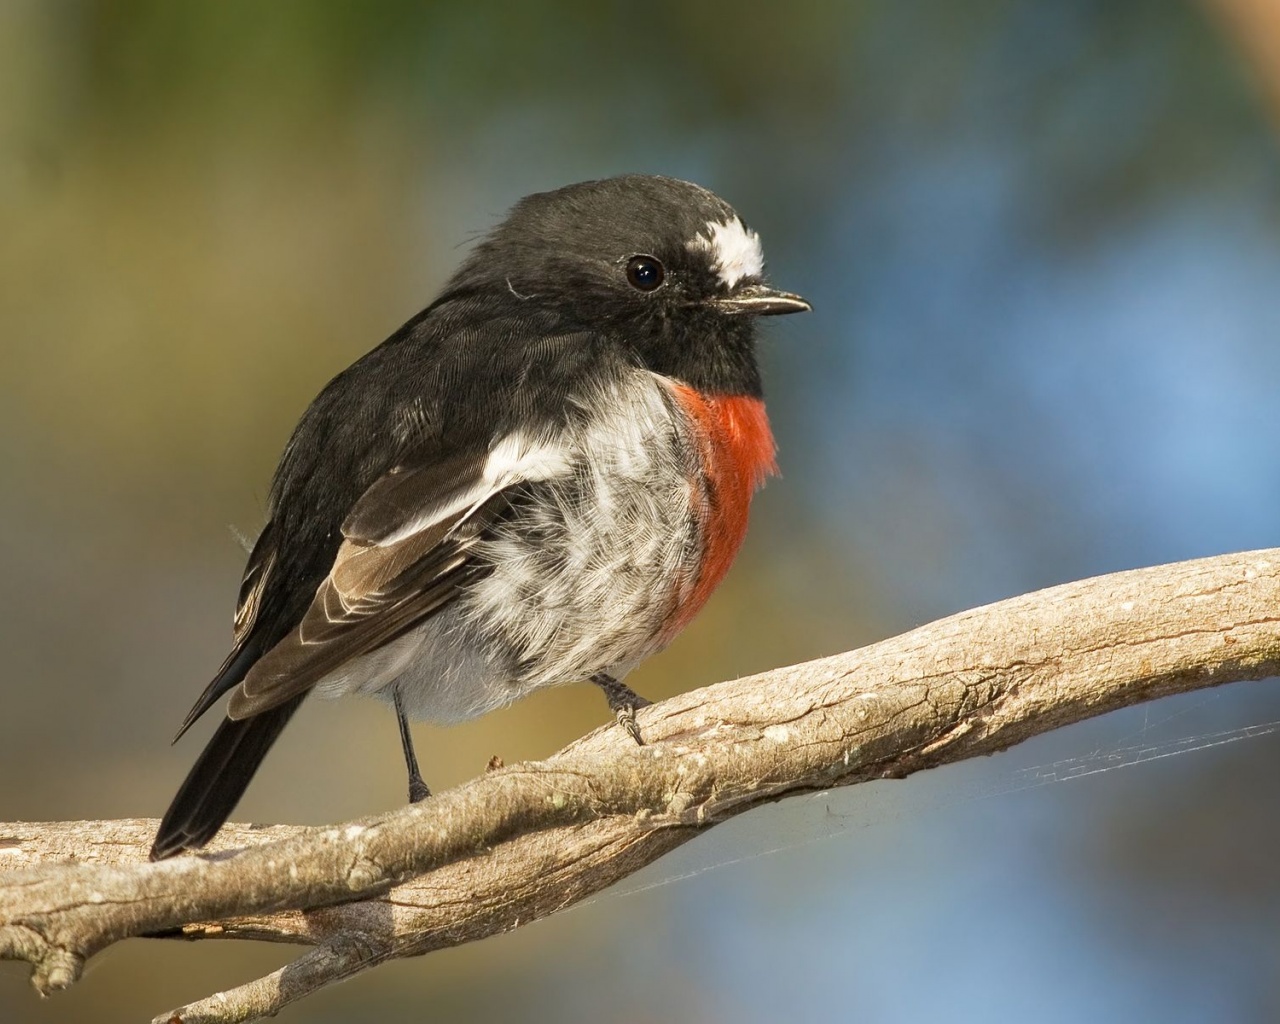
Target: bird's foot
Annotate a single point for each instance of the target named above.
(624, 702)
(418, 790)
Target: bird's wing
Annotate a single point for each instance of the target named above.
(375, 536)
(408, 548)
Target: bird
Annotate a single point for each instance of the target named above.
(538, 479)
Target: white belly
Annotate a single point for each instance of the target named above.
(585, 573)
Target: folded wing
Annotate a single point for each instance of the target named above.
(408, 549)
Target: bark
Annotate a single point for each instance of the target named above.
(523, 841)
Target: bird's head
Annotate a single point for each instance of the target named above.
(664, 265)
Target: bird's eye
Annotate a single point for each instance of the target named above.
(645, 273)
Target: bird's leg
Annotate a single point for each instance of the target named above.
(417, 788)
(623, 702)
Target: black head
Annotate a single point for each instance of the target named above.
(666, 266)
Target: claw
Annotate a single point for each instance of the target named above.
(627, 719)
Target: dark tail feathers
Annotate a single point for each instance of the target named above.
(218, 779)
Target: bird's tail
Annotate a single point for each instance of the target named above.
(218, 779)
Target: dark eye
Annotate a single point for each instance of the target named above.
(645, 273)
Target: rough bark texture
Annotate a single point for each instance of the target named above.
(523, 841)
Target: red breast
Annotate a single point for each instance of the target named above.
(737, 450)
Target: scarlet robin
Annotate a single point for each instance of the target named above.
(538, 479)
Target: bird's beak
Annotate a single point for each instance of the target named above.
(761, 300)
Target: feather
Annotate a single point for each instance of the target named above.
(218, 779)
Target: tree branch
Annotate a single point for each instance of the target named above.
(522, 842)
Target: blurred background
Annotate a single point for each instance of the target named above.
(1042, 240)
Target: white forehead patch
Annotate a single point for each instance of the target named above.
(734, 248)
